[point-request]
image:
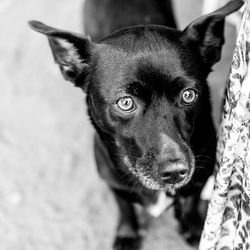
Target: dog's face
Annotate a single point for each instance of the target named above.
(145, 87)
(148, 97)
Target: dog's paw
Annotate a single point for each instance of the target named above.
(127, 243)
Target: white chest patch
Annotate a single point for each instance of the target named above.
(161, 204)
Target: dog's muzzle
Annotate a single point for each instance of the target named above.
(172, 171)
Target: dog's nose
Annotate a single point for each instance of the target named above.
(173, 171)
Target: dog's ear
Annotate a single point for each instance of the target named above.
(72, 52)
(207, 32)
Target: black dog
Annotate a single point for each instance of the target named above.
(148, 99)
(102, 17)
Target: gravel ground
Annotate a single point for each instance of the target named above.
(50, 194)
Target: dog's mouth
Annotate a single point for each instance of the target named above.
(151, 180)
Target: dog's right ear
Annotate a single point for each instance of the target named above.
(72, 52)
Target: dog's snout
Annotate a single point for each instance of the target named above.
(172, 171)
(172, 164)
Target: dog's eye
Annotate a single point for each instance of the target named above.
(126, 104)
(188, 96)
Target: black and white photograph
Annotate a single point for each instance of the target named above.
(125, 125)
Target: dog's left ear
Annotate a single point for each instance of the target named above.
(207, 32)
(72, 52)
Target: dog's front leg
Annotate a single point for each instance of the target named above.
(191, 219)
(127, 236)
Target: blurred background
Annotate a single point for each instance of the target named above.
(50, 194)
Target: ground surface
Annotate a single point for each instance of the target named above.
(50, 195)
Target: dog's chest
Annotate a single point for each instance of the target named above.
(160, 205)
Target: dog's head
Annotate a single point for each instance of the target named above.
(145, 87)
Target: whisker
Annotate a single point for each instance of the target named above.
(132, 188)
(202, 156)
(200, 167)
(125, 175)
